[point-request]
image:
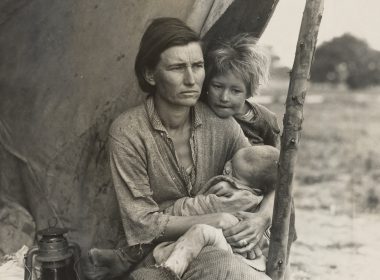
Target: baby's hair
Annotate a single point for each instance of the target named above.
(260, 165)
(243, 56)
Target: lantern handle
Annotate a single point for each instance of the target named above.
(75, 248)
(28, 262)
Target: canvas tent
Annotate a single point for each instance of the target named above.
(66, 71)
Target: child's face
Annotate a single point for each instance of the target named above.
(226, 94)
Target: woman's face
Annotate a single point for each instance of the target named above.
(178, 76)
(226, 94)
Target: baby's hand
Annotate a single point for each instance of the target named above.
(222, 188)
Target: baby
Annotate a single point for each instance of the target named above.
(253, 169)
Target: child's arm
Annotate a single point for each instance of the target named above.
(222, 188)
(192, 206)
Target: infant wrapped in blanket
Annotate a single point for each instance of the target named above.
(252, 169)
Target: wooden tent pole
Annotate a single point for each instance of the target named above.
(291, 137)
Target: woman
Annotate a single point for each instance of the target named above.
(167, 149)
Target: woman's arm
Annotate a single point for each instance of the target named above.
(250, 228)
(178, 225)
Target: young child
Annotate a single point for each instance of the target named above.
(235, 69)
(253, 169)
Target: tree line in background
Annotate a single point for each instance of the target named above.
(348, 60)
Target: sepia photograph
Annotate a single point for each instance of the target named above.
(192, 139)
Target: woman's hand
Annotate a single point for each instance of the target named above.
(246, 234)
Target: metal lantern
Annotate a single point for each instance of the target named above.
(57, 258)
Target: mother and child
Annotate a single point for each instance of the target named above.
(194, 179)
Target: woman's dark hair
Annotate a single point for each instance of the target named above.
(161, 34)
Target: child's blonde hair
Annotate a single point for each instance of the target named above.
(241, 55)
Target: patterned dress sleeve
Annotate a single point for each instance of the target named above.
(142, 221)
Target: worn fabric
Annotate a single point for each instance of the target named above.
(211, 203)
(233, 182)
(259, 125)
(146, 174)
(212, 263)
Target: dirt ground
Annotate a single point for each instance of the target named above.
(333, 247)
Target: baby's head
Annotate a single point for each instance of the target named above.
(254, 166)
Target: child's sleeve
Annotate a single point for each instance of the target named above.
(272, 136)
(193, 206)
(273, 133)
(211, 203)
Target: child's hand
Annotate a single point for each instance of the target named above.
(222, 188)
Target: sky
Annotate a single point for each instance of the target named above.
(360, 18)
